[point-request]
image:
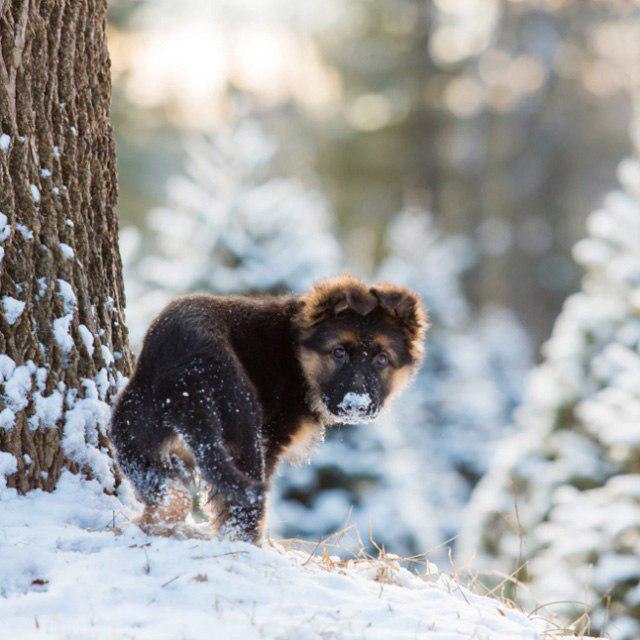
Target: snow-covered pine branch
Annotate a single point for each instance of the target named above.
(564, 496)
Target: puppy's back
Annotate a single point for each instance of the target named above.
(201, 324)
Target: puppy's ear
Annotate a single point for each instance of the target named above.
(360, 300)
(333, 296)
(405, 306)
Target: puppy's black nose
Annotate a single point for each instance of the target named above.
(355, 408)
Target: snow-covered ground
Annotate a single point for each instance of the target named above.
(65, 573)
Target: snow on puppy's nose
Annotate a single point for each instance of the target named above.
(355, 404)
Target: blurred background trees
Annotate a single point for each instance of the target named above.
(561, 509)
(230, 225)
(505, 117)
(457, 147)
(407, 479)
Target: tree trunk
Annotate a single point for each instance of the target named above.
(63, 342)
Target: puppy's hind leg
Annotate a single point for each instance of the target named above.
(168, 507)
(214, 409)
(148, 457)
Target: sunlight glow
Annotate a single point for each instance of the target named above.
(186, 68)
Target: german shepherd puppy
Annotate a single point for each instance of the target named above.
(228, 386)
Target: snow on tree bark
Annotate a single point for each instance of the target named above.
(63, 342)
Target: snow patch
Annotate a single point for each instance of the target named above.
(63, 566)
(8, 465)
(25, 232)
(106, 355)
(66, 250)
(61, 327)
(48, 410)
(7, 367)
(102, 383)
(83, 422)
(5, 142)
(355, 400)
(35, 193)
(42, 288)
(7, 419)
(17, 388)
(70, 301)
(12, 308)
(87, 338)
(5, 229)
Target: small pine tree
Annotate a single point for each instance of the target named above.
(471, 381)
(407, 478)
(231, 226)
(564, 500)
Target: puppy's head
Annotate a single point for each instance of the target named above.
(358, 346)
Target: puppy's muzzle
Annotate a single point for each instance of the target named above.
(357, 407)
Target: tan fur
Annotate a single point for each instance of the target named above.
(344, 337)
(416, 345)
(313, 364)
(218, 513)
(399, 380)
(172, 509)
(215, 510)
(309, 435)
(176, 501)
(175, 445)
(315, 367)
(412, 315)
(383, 342)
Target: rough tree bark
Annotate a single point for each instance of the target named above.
(63, 342)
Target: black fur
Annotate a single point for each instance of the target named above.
(225, 374)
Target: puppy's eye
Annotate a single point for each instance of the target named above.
(339, 353)
(381, 360)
